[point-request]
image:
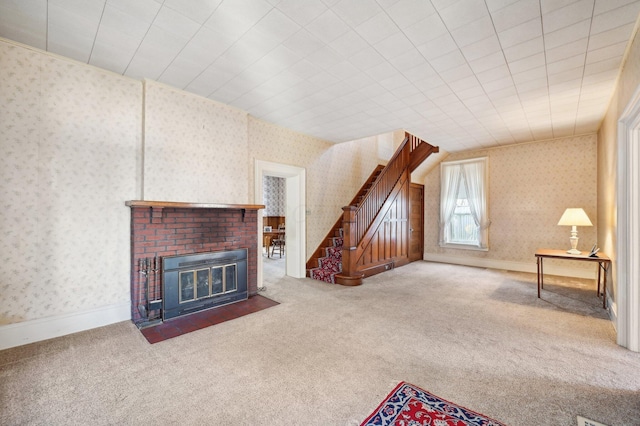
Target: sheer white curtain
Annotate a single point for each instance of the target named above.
(449, 185)
(474, 179)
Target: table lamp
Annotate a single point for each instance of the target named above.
(574, 217)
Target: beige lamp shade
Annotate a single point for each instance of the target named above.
(574, 217)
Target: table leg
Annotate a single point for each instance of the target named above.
(539, 262)
(604, 288)
(599, 268)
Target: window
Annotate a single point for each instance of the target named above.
(464, 219)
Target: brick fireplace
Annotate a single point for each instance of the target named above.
(160, 229)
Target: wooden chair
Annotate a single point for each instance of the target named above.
(277, 243)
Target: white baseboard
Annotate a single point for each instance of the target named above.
(550, 269)
(22, 333)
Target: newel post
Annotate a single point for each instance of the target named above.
(349, 276)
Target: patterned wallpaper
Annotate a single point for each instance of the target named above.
(69, 158)
(530, 186)
(195, 149)
(274, 196)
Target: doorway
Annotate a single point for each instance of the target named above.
(295, 218)
(628, 232)
(416, 222)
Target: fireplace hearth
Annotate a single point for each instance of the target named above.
(201, 281)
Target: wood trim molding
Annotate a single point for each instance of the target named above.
(184, 205)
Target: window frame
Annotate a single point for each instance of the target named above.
(483, 232)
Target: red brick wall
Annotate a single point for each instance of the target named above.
(176, 231)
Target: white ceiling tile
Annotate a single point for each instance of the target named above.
(301, 12)
(176, 23)
(277, 26)
(63, 41)
(409, 60)
(394, 46)
(569, 63)
(488, 62)
(408, 12)
(607, 5)
(113, 49)
(382, 71)
(471, 33)
(180, 72)
(537, 88)
(324, 57)
(457, 73)
(565, 50)
(394, 82)
(349, 44)
(567, 16)
(438, 47)
(377, 28)
(601, 66)
(304, 69)
(426, 30)
(143, 10)
(234, 18)
(275, 61)
(615, 18)
(609, 52)
(303, 42)
(462, 13)
(448, 61)
(206, 46)
(485, 47)
(521, 33)
(123, 21)
(328, 27)
(532, 74)
(524, 50)
(533, 61)
(25, 22)
(611, 37)
(572, 75)
(355, 13)
(343, 70)
(366, 58)
(515, 14)
(418, 72)
(196, 10)
(568, 34)
(494, 5)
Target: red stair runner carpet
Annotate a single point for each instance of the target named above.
(409, 405)
(192, 322)
(331, 264)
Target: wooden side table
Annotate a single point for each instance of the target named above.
(604, 262)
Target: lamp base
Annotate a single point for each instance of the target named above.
(574, 251)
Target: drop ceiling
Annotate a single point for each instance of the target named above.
(461, 74)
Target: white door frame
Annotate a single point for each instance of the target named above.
(628, 227)
(295, 218)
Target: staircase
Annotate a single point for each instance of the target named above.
(326, 261)
(331, 263)
(372, 234)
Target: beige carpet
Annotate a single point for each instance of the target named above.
(328, 355)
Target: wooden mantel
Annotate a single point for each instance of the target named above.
(183, 205)
(157, 206)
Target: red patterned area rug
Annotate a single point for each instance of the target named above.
(409, 405)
